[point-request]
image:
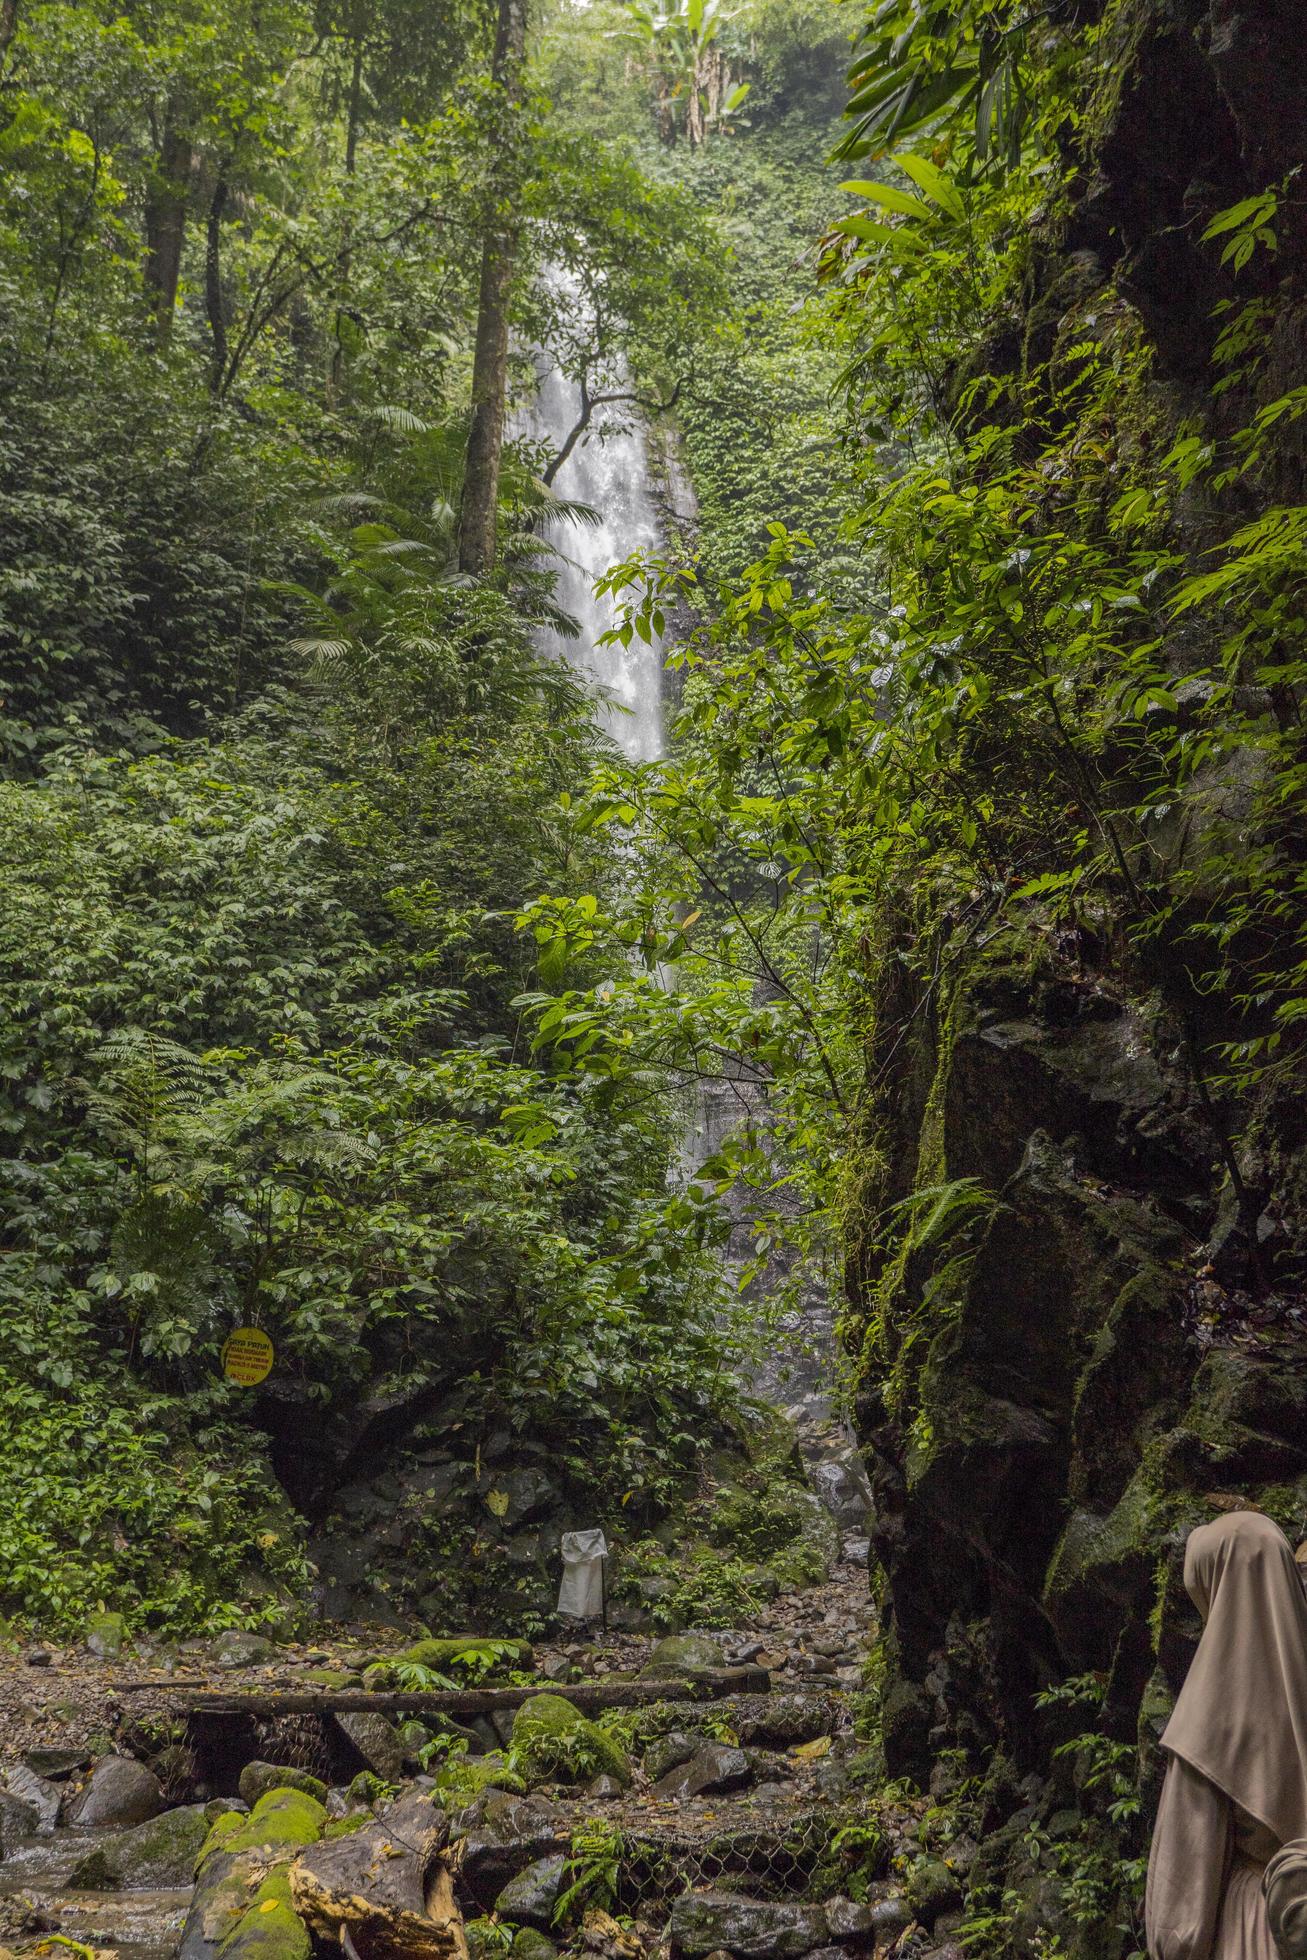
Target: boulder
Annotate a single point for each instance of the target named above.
(842, 1485)
(669, 1751)
(106, 1634)
(530, 1898)
(18, 1820)
(36, 1793)
(714, 1767)
(258, 1778)
(54, 1763)
(462, 1657)
(386, 1884)
(119, 1790)
(236, 1648)
(847, 1919)
(147, 1857)
(502, 1835)
(933, 1890)
(242, 1905)
(532, 1945)
(555, 1742)
(751, 1929)
(376, 1741)
(889, 1918)
(684, 1654)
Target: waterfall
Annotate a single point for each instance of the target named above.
(608, 470)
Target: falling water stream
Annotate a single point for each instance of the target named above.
(609, 470)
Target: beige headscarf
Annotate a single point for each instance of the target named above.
(1285, 1889)
(1241, 1719)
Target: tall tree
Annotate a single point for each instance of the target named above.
(485, 443)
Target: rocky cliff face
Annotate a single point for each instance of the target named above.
(1112, 1348)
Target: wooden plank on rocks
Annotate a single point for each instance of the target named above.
(708, 1686)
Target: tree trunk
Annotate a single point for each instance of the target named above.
(337, 374)
(8, 28)
(165, 225)
(485, 442)
(213, 288)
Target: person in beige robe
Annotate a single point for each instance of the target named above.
(1285, 1890)
(1236, 1781)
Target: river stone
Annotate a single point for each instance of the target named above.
(119, 1790)
(148, 1857)
(105, 1635)
(684, 1653)
(530, 1898)
(889, 1918)
(258, 1778)
(37, 1793)
(715, 1767)
(751, 1929)
(848, 1919)
(17, 1821)
(669, 1752)
(502, 1835)
(555, 1742)
(933, 1890)
(532, 1945)
(236, 1648)
(56, 1763)
(376, 1742)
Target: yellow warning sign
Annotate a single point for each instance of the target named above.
(246, 1356)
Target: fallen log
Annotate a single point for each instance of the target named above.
(708, 1686)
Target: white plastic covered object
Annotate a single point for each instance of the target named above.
(581, 1595)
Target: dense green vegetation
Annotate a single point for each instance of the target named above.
(279, 777)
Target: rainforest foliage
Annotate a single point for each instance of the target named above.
(352, 984)
(279, 774)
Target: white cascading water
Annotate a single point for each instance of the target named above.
(609, 471)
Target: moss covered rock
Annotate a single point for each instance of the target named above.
(555, 1742)
(462, 1657)
(242, 1906)
(684, 1653)
(257, 1779)
(148, 1857)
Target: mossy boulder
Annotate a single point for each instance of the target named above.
(106, 1635)
(149, 1857)
(555, 1742)
(257, 1779)
(933, 1890)
(242, 1906)
(684, 1654)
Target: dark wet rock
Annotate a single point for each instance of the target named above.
(684, 1654)
(55, 1763)
(714, 1767)
(532, 1945)
(148, 1857)
(530, 1898)
(849, 1919)
(502, 1835)
(119, 1790)
(38, 1657)
(385, 1883)
(236, 1648)
(669, 1751)
(18, 1820)
(751, 1929)
(889, 1918)
(841, 1483)
(106, 1635)
(933, 1890)
(258, 1778)
(375, 1741)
